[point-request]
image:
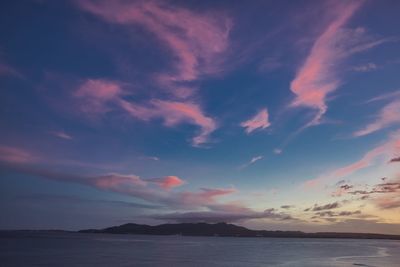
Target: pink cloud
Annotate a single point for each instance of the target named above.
(196, 40)
(317, 77)
(16, 155)
(387, 117)
(96, 94)
(173, 114)
(259, 121)
(204, 197)
(388, 202)
(154, 190)
(114, 181)
(168, 182)
(176, 112)
(385, 151)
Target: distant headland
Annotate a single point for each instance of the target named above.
(225, 229)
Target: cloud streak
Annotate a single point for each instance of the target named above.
(259, 121)
(385, 151)
(153, 190)
(13, 155)
(174, 113)
(318, 76)
(329, 206)
(387, 117)
(197, 41)
(62, 135)
(97, 97)
(252, 161)
(168, 182)
(385, 195)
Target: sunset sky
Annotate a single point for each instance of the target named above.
(277, 115)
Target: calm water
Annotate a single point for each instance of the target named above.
(131, 250)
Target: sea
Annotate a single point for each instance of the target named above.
(78, 249)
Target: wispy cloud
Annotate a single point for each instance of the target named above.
(196, 40)
(384, 195)
(53, 198)
(62, 135)
(318, 76)
(153, 190)
(384, 151)
(12, 155)
(287, 207)
(174, 113)
(341, 190)
(391, 95)
(259, 121)
(365, 67)
(97, 94)
(150, 158)
(388, 116)
(252, 161)
(97, 97)
(329, 206)
(396, 159)
(168, 182)
(325, 214)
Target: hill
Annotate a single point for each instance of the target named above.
(225, 229)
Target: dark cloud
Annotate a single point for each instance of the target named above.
(340, 182)
(388, 187)
(335, 214)
(384, 195)
(396, 159)
(346, 187)
(287, 206)
(329, 206)
(349, 213)
(341, 189)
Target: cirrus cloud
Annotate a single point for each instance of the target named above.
(388, 116)
(259, 121)
(197, 41)
(318, 76)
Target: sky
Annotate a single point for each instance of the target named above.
(276, 115)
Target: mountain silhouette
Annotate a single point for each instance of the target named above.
(225, 229)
